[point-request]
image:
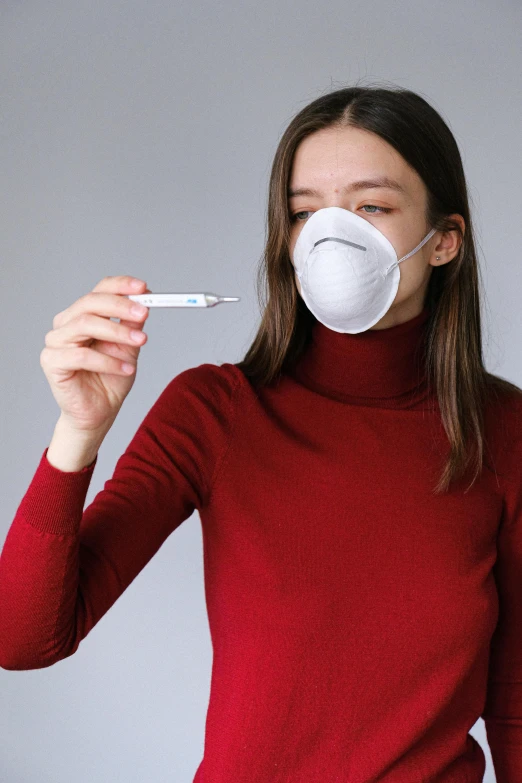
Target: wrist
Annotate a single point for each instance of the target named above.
(72, 449)
(80, 434)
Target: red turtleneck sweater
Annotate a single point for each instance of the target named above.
(360, 624)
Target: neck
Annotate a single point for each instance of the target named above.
(378, 367)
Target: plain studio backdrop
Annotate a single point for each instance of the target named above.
(137, 138)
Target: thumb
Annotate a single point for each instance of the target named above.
(136, 324)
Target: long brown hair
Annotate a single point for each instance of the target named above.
(453, 349)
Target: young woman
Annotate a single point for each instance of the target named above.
(357, 477)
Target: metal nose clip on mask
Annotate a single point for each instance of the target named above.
(348, 270)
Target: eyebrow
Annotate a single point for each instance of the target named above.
(364, 184)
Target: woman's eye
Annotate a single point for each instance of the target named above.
(294, 217)
(373, 207)
(381, 209)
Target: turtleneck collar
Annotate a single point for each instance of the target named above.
(379, 367)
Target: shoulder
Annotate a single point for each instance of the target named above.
(205, 386)
(503, 425)
(221, 379)
(504, 407)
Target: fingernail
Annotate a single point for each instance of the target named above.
(135, 283)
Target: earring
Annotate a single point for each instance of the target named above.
(438, 258)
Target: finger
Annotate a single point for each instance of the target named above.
(121, 286)
(88, 328)
(60, 361)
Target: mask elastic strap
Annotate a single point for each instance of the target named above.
(428, 236)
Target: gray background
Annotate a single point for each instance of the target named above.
(137, 138)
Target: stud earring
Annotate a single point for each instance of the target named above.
(438, 258)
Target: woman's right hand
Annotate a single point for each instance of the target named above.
(85, 350)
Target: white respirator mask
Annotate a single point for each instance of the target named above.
(348, 270)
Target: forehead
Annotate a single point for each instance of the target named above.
(337, 157)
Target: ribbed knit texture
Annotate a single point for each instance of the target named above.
(360, 624)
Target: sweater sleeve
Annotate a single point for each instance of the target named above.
(61, 569)
(502, 714)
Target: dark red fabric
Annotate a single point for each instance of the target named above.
(360, 623)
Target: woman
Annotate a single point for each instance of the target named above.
(362, 546)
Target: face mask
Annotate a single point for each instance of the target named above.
(348, 270)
